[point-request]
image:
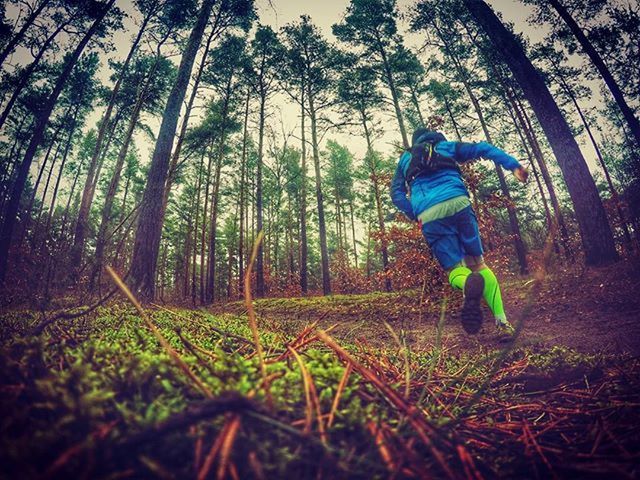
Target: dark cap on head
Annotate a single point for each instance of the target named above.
(423, 134)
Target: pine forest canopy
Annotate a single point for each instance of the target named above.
(160, 137)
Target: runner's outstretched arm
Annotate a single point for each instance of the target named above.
(463, 151)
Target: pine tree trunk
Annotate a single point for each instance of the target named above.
(596, 147)
(243, 188)
(530, 133)
(260, 257)
(82, 222)
(13, 43)
(324, 251)
(196, 230)
(304, 281)
(185, 122)
(378, 197)
(114, 183)
(595, 231)
(627, 112)
(151, 219)
(26, 74)
(391, 84)
(353, 235)
(61, 171)
(13, 206)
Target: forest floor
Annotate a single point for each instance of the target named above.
(174, 392)
(591, 310)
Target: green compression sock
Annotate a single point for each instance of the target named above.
(492, 294)
(458, 276)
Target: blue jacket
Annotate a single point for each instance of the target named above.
(428, 190)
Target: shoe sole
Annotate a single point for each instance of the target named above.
(471, 314)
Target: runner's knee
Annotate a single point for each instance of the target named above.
(474, 263)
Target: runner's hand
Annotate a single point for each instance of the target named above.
(521, 174)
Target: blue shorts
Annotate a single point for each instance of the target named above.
(454, 237)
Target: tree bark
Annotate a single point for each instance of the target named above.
(627, 112)
(41, 124)
(596, 147)
(185, 123)
(378, 197)
(324, 252)
(26, 74)
(304, 251)
(151, 219)
(394, 94)
(260, 258)
(11, 45)
(243, 188)
(105, 218)
(597, 238)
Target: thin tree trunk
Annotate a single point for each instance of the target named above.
(529, 132)
(304, 281)
(82, 221)
(203, 233)
(324, 252)
(26, 74)
(6, 233)
(196, 230)
(595, 231)
(151, 219)
(11, 45)
(260, 258)
(60, 171)
(627, 112)
(391, 84)
(243, 188)
(353, 234)
(378, 198)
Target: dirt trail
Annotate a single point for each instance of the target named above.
(595, 310)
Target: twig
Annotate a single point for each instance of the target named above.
(165, 344)
(248, 301)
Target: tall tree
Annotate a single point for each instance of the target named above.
(357, 90)
(224, 75)
(100, 10)
(597, 239)
(319, 60)
(597, 60)
(266, 56)
(149, 230)
(158, 72)
(371, 25)
(169, 15)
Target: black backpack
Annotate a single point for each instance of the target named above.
(425, 160)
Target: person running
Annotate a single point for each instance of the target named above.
(427, 187)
